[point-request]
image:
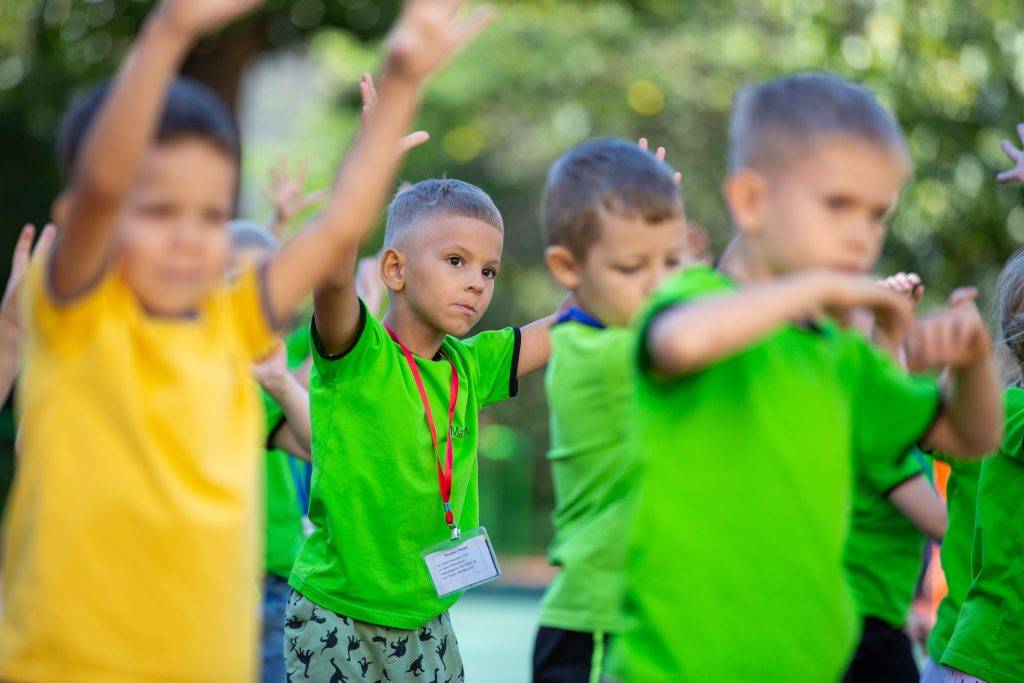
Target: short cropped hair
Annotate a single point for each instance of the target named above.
(191, 110)
(246, 234)
(774, 121)
(606, 175)
(438, 196)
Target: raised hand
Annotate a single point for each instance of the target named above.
(272, 371)
(369, 94)
(1015, 174)
(909, 285)
(196, 17)
(845, 295)
(427, 34)
(962, 296)
(956, 337)
(23, 253)
(660, 155)
(284, 190)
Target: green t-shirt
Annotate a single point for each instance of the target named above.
(955, 556)
(589, 387)
(286, 479)
(735, 567)
(375, 501)
(988, 640)
(884, 549)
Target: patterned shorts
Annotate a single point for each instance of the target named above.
(323, 646)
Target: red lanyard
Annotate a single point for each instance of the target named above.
(444, 475)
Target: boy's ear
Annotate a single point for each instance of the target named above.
(563, 266)
(392, 269)
(59, 209)
(745, 193)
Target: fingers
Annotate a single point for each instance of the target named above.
(950, 338)
(46, 239)
(1020, 131)
(962, 296)
(469, 26)
(1010, 151)
(642, 144)
(22, 249)
(677, 178)
(412, 140)
(313, 198)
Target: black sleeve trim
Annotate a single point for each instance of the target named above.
(319, 347)
(513, 375)
(901, 482)
(269, 445)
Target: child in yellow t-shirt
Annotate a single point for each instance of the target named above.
(130, 540)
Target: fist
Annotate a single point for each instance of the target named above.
(956, 337)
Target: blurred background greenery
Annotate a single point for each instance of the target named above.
(546, 75)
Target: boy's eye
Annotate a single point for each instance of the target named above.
(157, 210)
(455, 260)
(214, 217)
(838, 202)
(673, 262)
(490, 273)
(627, 270)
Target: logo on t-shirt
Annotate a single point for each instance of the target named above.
(457, 432)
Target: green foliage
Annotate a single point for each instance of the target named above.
(551, 73)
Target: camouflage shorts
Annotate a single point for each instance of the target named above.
(323, 646)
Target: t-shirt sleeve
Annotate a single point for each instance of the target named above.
(52, 319)
(1013, 429)
(695, 283)
(496, 356)
(892, 411)
(354, 362)
(249, 309)
(298, 345)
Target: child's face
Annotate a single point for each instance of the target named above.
(623, 266)
(827, 210)
(174, 237)
(450, 264)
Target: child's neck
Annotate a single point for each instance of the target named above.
(421, 338)
(743, 264)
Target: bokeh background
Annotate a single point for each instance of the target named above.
(547, 75)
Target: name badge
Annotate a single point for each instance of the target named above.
(463, 563)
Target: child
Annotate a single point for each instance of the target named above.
(986, 640)
(615, 227)
(752, 402)
(130, 539)
(360, 580)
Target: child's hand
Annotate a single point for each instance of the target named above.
(286, 194)
(907, 284)
(962, 296)
(369, 93)
(956, 337)
(427, 34)
(10, 316)
(660, 155)
(843, 294)
(193, 18)
(272, 371)
(1015, 174)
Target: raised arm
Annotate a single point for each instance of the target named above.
(687, 338)
(274, 377)
(324, 255)
(124, 128)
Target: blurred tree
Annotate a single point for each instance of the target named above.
(550, 73)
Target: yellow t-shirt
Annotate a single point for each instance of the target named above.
(130, 542)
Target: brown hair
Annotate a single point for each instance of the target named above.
(1009, 305)
(605, 175)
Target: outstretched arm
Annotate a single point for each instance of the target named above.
(124, 128)
(426, 35)
(920, 504)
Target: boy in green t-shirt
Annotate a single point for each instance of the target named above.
(615, 227)
(987, 640)
(394, 407)
(752, 401)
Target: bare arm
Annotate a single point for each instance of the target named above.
(919, 503)
(288, 441)
(687, 338)
(114, 147)
(324, 255)
(971, 424)
(283, 387)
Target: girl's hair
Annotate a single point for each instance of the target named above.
(1009, 303)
